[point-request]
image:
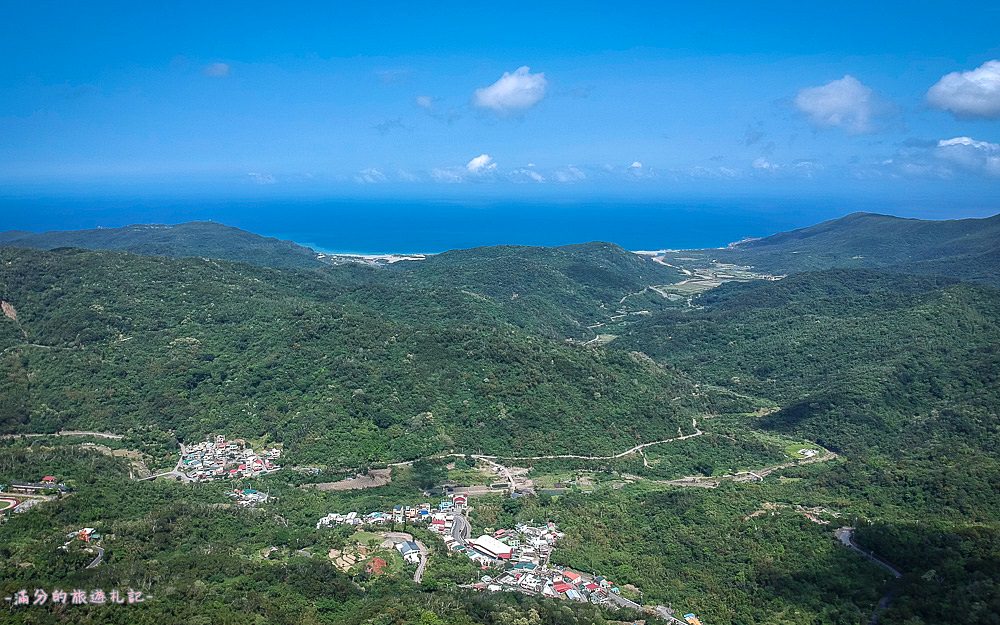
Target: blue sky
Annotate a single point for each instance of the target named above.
(643, 100)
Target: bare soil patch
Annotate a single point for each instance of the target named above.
(372, 479)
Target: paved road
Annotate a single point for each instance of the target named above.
(667, 614)
(419, 573)
(503, 470)
(96, 562)
(460, 528)
(399, 537)
(116, 437)
(176, 472)
(627, 452)
(846, 536)
(704, 481)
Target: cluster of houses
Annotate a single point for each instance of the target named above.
(248, 497)
(219, 458)
(525, 545)
(555, 582)
(522, 554)
(439, 518)
(512, 559)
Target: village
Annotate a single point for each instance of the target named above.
(220, 458)
(512, 559)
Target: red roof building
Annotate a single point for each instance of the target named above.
(561, 587)
(49, 479)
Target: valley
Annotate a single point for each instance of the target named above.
(698, 429)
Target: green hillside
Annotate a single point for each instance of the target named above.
(115, 341)
(556, 290)
(958, 247)
(888, 350)
(193, 239)
(901, 374)
(355, 365)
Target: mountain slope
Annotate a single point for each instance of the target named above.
(114, 341)
(952, 247)
(193, 239)
(556, 290)
(899, 372)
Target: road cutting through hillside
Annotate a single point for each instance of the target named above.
(627, 452)
(757, 475)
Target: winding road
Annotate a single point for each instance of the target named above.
(627, 452)
(490, 459)
(712, 481)
(398, 537)
(176, 472)
(460, 528)
(96, 562)
(846, 536)
(108, 435)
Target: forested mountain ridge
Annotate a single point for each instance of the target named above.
(556, 290)
(352, 365)
(203, 239)
(199, 346)
(899, 373)
(889, 346)
(957, 247)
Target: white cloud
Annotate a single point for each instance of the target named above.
(975, 156)
(370, 175)
(971, 94)
(481, 164)
(807, 168)
(637, 171)
(425, 102)
(764, 164)
(700, 171)
(526, 175)
(216, 70)
(844, 103)
(515, 91)
(448, 174)
(260, 178)
(569, 173)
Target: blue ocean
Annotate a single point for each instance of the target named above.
(385, 226)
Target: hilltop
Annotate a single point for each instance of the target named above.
(964, 248)
(202, 239)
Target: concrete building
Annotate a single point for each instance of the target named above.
(491, 547)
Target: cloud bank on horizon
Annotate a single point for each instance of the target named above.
(657, 100)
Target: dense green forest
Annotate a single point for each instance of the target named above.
(900, 374)
(340, 372)
(965, 248)
(891, 363)
(202, 239)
